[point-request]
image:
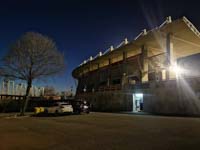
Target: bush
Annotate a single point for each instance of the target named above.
(7, 105)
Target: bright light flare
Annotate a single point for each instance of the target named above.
(177, 69)
(139, 95)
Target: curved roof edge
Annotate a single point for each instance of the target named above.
(140, 36)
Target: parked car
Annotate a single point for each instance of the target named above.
(63, 106)
(80, 106)
(85, 107)
(59, 108)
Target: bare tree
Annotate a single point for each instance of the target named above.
(33, 56)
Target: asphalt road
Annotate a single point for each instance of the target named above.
(99, 131)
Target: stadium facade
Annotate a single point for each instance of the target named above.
(157, 72)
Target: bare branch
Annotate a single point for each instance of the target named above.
(33, 56)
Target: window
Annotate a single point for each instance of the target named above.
(103, 83)
(116, 81)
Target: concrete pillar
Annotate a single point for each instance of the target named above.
(108, 80)
(124, 55)
(124, 80)
(144, 63)
(163, 74)
(97, 76)
(169, 57)
(109, 61)
(124, 72)
(124, 62)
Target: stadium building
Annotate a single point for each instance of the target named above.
(157, 72)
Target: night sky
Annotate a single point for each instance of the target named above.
(82, 28)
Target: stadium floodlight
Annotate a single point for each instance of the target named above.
(177, 69)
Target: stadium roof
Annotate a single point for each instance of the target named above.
(185, 39)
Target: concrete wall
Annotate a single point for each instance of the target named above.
(173, 97)
(110, 101)
(177, 97)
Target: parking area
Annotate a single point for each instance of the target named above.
(98, 131)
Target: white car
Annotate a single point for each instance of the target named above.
(59, 107)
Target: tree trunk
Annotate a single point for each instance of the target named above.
(25, 101)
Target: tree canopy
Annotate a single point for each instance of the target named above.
(32, 56)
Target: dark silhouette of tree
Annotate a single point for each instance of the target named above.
(33, 56)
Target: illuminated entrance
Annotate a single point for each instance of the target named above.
(137, 102)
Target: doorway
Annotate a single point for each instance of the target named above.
(137, 102)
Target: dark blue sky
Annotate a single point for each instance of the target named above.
(82, 28)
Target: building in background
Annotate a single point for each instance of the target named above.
(10, 87)
(156, 72)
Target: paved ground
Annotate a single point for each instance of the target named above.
(100, 131)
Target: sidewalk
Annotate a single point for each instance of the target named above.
(135, 113)
(12, 114)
